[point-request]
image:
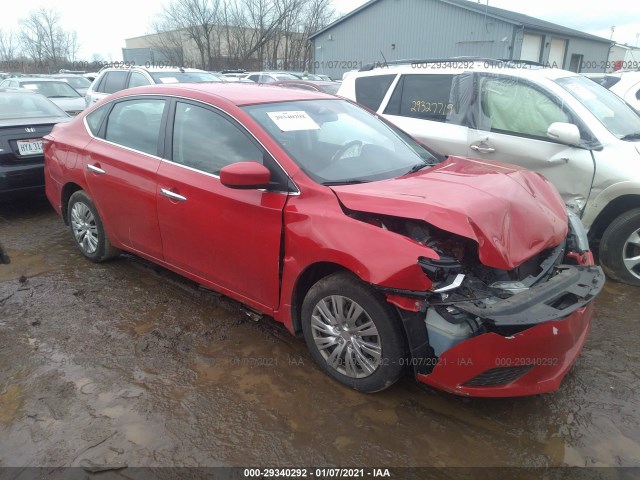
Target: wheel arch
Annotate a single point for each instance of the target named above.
(608, 214)
(68, 190)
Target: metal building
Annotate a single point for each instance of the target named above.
(387, 30)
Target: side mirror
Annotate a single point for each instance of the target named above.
(245, 175)
(566, 133)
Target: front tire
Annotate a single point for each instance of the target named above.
(620, 248)
(87, 229)
(353, 334)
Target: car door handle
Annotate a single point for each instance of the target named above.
(95, 169)
(478, 148)
(172, 195)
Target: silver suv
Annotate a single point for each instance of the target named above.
(113, 79)
(581, 136)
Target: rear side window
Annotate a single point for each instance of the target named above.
(113, 82)
(136, 124)
(427, 97)
(95, 119)
(370, 91)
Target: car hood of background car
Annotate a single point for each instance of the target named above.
(511, 213)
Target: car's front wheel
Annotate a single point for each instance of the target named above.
(87, 229)
(620, 248)
(353, 334)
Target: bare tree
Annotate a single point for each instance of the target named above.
(234, 33)
(198, 21)
(45, 41)
(8, 46)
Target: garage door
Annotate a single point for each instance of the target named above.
(531, 46)
(556, 52)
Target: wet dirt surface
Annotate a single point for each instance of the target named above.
(125, 363)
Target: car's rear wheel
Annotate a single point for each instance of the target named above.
(87, 229)
(620, 248)
(353, 334)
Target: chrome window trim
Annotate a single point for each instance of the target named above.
(86, 126)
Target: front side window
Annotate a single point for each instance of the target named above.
(207, 141)
(335, 142)
(370, 91)
(422, 96)
(514, 107)
(136, 124)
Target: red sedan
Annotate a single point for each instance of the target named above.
(304, 206)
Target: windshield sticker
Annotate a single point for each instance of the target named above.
(582, 92)
(30, 86)
(293, 121)
(169, 80)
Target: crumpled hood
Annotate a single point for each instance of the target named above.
(511, 212)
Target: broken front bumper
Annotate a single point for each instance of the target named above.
(552, 319)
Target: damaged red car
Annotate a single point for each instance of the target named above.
(305, 207)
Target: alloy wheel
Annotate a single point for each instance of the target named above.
(346, 336)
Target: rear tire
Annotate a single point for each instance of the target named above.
(353, 334)
(620, 248)
(87, 229)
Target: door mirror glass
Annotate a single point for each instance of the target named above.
(245, 175)
(566, 133)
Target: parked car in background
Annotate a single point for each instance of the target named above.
(269, 77)
(111, 79)
(315, 86)
(624, 83)
(312, 210)
(580, 136)
(58, 91)
(25, 117)
(78, 82)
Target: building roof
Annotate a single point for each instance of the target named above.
(508, 16)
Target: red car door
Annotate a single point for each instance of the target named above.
(231, 238)
(121, 173)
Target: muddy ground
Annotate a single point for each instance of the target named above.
(126, 363)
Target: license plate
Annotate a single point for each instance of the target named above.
(30, 147)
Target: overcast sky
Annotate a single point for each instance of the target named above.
(102, 28)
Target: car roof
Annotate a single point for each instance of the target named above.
(457, 66)
(239, 94)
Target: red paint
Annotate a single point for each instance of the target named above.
(254, 245)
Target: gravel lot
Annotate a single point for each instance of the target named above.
(125, 363)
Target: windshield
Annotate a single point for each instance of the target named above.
(606, 106)
(25, 105)
(52, 89)
(78, 82)
(184, 77)
(336, 142)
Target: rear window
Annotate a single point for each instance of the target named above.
(24, 105)
(370, 91)
(427, 97)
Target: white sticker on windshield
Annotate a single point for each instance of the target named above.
(30, 86)
(582, 92)
(168, 79)
(293, 121)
